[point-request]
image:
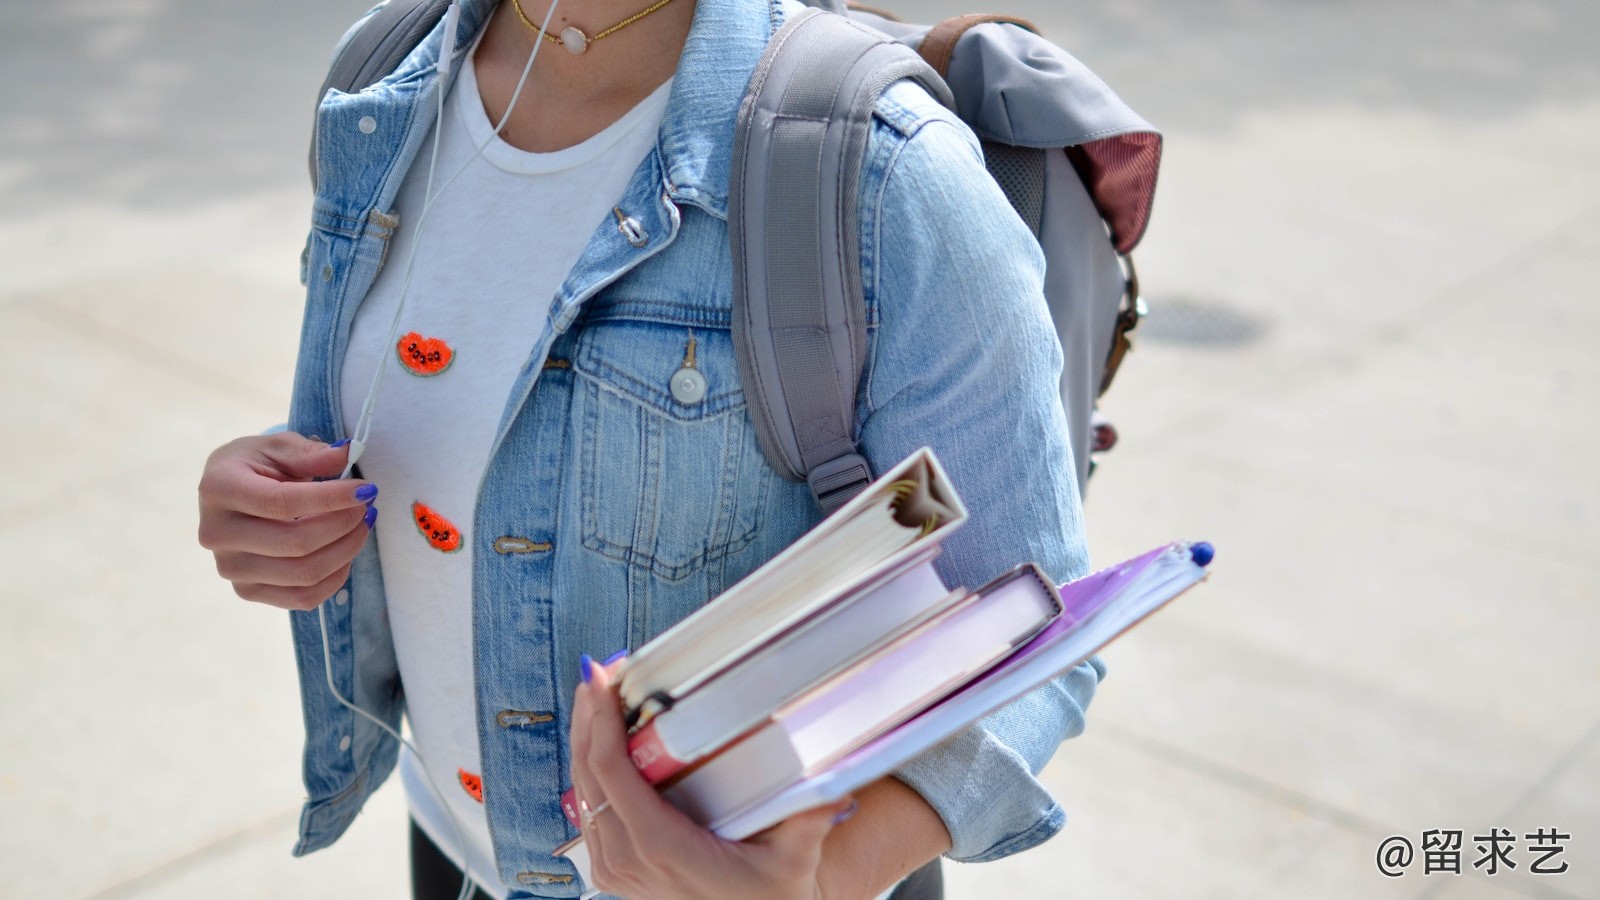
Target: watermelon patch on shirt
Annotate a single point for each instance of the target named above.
(472, 784)
(440, 533)
(424, 357)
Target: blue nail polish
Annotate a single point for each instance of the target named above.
(615, 656)
(371, 518)
(338, 445)
(586, 667)
(1202, 553)
(366, 492)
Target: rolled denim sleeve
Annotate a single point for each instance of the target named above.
(963, 358)
(983, 781)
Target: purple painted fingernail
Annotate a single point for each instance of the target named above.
(615, 656)
(366, 492)
(339, 444)
(586, 667)
(371, 517)
(846, 813)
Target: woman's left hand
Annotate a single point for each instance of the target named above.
(641, 846)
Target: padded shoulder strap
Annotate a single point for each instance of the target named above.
(798, 308)
(374, 47)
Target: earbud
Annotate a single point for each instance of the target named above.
(355, 456)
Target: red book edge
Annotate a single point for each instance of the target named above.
(649, 756)
(569, 807)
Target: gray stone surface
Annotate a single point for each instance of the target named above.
(1369, 378)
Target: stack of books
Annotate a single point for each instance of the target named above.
(845, 656)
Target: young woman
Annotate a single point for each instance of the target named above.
(546, 492)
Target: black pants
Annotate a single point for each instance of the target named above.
(435, 877)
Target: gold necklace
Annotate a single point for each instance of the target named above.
(573, 37)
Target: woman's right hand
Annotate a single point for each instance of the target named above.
(281, 537)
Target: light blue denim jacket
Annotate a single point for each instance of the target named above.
(609, 510)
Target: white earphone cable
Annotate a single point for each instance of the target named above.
(327, 666)
(363, 427)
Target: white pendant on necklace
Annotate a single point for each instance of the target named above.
(574, 40)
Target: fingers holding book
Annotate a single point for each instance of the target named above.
(641, 846)
(628, 830)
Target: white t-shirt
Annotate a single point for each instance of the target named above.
(497, 244)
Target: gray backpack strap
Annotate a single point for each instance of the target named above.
(799, 315)
(375, 47)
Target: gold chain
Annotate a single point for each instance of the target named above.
(556, 39)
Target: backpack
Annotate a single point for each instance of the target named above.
(1078, 166)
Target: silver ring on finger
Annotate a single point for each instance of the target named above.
(589, 813)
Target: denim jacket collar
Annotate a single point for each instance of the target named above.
(727, 38)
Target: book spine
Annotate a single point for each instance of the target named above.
(569, 807)
(650, 755)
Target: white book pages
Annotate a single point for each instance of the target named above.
(743, 695)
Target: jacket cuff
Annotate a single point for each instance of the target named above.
(983, 780)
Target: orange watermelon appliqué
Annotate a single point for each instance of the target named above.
(472, 784)
(424, 356)
(439, 531)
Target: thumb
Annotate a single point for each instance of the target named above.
(297, 457)
(804, 832)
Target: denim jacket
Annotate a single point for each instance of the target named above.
(610, 510)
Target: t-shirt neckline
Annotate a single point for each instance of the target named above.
(472, 115)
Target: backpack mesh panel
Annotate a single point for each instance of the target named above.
(1020, 172)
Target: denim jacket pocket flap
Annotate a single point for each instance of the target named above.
(676, 371)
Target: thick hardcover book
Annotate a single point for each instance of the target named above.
(897, 522)
(744, 695)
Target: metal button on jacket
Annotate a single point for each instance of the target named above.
(688, 386)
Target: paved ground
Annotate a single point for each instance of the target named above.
(1369, 379)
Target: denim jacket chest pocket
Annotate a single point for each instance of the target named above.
(672, 475)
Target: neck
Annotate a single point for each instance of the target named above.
(573, 96)
(643, 51)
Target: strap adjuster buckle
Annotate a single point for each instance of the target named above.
(836, 481)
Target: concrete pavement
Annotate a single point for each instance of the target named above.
(1369, 378)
